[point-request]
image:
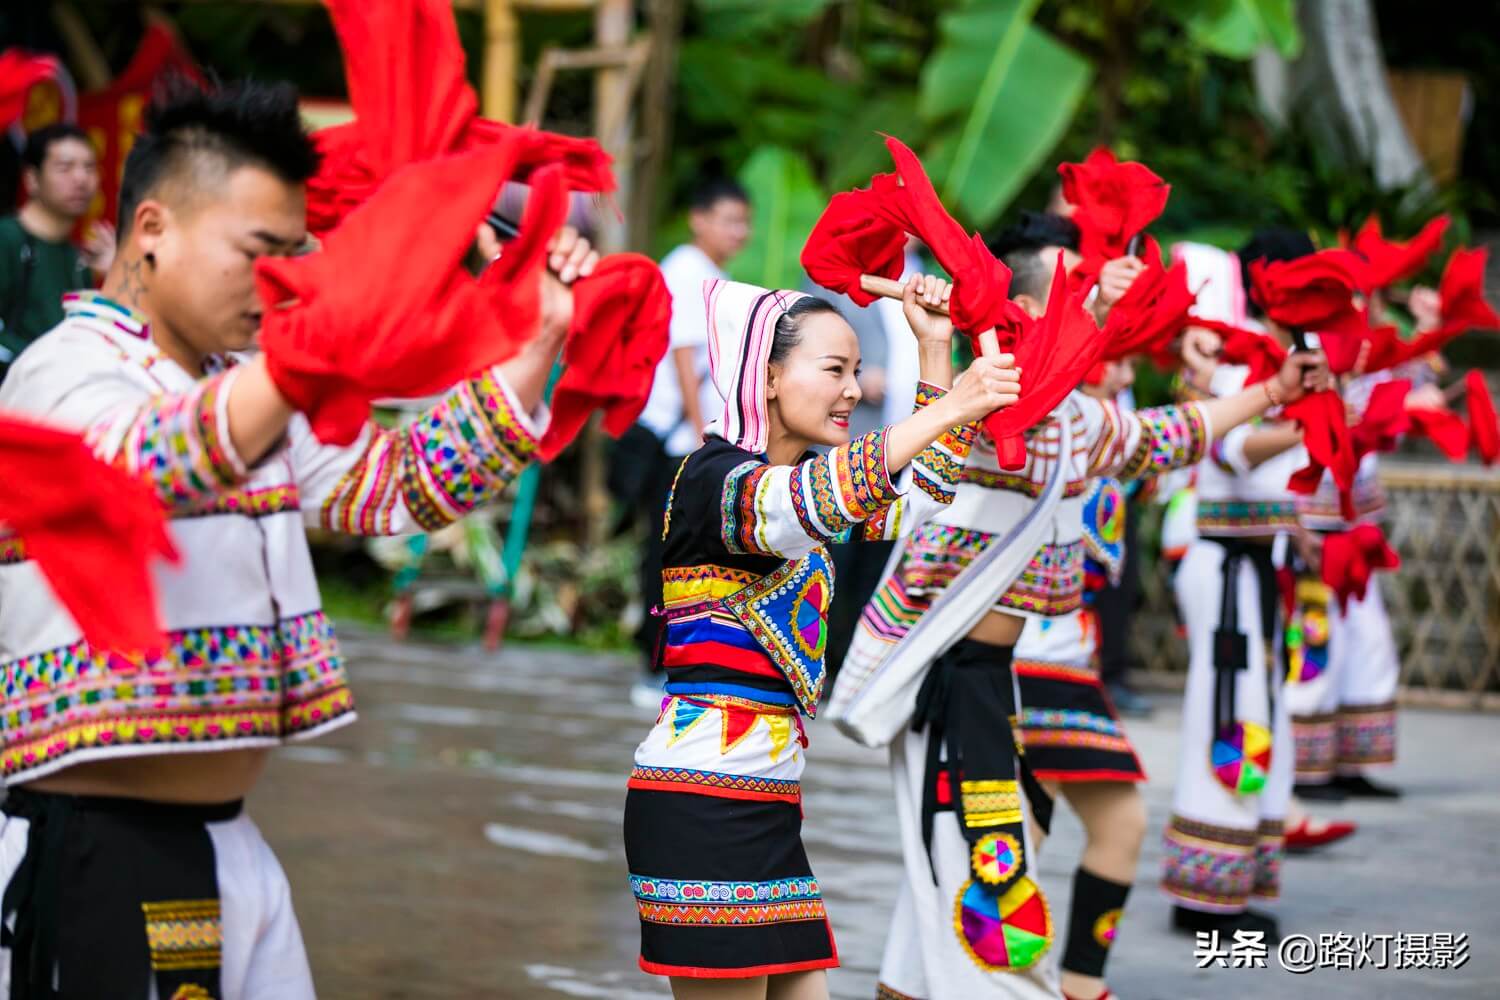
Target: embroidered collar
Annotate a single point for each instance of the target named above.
(96, 306)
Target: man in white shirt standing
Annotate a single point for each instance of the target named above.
(682, 395)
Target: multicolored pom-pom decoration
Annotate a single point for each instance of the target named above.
(1003, 931)
(1242, 757)
(996, 857)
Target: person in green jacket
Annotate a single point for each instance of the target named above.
(38, 261)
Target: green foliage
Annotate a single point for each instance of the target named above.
(1000, 92)
(793, 95)
(785, 202)
(1237, 28)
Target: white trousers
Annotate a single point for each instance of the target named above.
(263, 957)
(1344, 719)
(1223, 847)
(924, 957)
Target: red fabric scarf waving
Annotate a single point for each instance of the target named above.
(981, 284)
(1484, 428)
(1113, 201)
(1350, 558)
(1330, 446)
(1150, 314)
(850, 240)
(1385, 418)
(405, 69)
(1462, 293)
(367, 317)
(1053, 354)
(91, 529)
(1444, 428)
(1315, 292)
(19, 72)
(1386, 262)
(621, 316)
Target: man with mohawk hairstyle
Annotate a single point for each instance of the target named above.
(930, 669)
(129, 864)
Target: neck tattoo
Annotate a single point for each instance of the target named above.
(133, 284)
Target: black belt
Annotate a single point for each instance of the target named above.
(1231, 645)
(965, 704)
(104, 862)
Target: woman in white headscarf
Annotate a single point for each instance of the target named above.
(728, 904)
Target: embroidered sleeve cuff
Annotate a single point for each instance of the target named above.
(1170, 438)
(230, 467)
(927, 393)
(863, 477)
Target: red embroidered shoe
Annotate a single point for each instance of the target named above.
(1300, 839)
(1106, 995)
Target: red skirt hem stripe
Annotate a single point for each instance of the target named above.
(685, 788)
(1129, 777)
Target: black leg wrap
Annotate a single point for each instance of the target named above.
(1097, 904)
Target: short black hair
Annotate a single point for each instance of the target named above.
(787, 333)
(39, 143)
(1271, 244)
(1034, 231)
(242, 123)
(1019, 247)
(709, 193)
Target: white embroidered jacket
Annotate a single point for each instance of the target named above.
(251, 659)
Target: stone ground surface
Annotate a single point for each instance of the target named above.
(463, 840)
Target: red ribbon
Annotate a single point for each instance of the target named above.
(92, 529)
(1350, 559)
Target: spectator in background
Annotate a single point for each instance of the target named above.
(38, 262)
(683, 397)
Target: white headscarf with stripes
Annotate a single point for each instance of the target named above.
(741, 326)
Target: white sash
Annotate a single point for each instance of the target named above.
(873, 705)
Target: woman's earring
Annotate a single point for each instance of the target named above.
(151, 259)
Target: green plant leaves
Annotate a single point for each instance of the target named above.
(1237, 28)
(785, 203)
(736, 18)
(1000, 93)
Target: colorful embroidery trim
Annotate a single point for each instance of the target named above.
(212, 685)
(184, 934)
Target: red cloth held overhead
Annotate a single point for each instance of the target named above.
(1258, 351)
(91, 529)
(368, 317)
(1330, 446)
(405, 70)
(1484, 428)
(1444, 428)
(1385, 418)
(1385, 262)
(1152, 312)
(1113, 201)
(981, 284)
(1462, 293)
(621, 316)
(1054, 353)
(1350, 559)
(1315, 292)
(19, 72)
(849, 240)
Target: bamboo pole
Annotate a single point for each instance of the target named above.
(502, 57)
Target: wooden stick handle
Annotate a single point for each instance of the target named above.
(1455, 391)
(888, 288)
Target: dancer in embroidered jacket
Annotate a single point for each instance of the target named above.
(137, 765)
(713, 818)
(1232, 807)
(968, 917)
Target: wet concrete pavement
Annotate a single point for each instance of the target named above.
(463, 840)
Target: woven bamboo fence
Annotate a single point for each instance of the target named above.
(1444, 602)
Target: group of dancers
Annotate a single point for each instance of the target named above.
(167, 445)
